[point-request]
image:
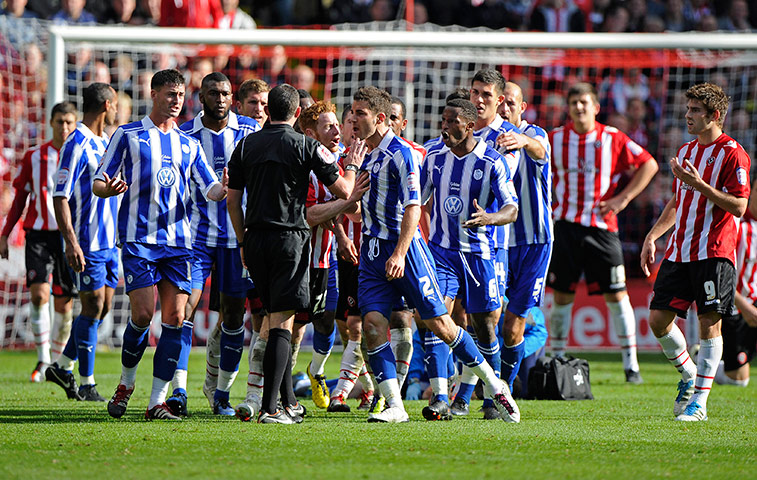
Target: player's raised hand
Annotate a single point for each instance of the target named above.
(113, 186)
(479, 218)
(511, 140)
(686, 172)
(362, 185)
(357, 152)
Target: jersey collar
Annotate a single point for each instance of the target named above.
(197, 122)
(384, 144)
(495, 125)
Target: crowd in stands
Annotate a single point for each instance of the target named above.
(538, 15)
(636, 100)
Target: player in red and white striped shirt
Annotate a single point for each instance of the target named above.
(587, 159)
(44, 244)
(711, 188)
(319, 122)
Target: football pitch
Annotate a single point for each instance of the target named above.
(626, 432)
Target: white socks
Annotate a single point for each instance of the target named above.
(402, 346)
(352, 361)
(40, 322)
(158, 393)
(710, 352)
(674, 347)
(60, 332)
(559, 327)
(624, 321)
(255, 377)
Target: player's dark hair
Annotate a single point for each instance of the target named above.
(94, 97)
(489, 76)
(347, 109)
(214, 77)
(283, 101)
(379, 101)
(459, 92)
(304, 93)
(583, 88)
(713, 99)
(398, 101)
(170, 76)
(467, 109)
(63, 108)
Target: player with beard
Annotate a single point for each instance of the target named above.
(472, 193)
(396, 262)
(214, 246)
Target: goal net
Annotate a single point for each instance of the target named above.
(641, 79)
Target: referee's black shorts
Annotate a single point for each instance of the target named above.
(278, 261)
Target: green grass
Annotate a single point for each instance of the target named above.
(626, 432)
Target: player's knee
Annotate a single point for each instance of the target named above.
(39, 297)
(92, 305)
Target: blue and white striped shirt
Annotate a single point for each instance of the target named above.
(454, 183)
(512, 158)
(93, 218)
(533, 182)
(394, 168)
(211, 224)
(157, 167)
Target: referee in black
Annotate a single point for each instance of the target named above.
(273, 165)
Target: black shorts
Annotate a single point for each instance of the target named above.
(739, 342)
(319, 283)
(278, 261)
(710, 283)
(595, 252)
(346, 306)
(45, 257)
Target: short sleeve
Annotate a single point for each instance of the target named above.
(68, 167)
(736, 172)
(322, 162)
(408, 172)
(629, 153)
(112, 160)
(23, 177)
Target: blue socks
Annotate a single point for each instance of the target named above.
(167, 352)
(323, 343)
(232, 342)
(512, 357)
(382, 362)
(134, 344)
(465, 349)
(85, 332)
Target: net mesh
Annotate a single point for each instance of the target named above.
(641, 92)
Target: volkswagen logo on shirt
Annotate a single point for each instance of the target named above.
(453, 205)
(166, 177)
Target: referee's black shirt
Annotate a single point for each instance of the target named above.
(274, 165)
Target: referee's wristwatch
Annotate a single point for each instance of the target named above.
(351, 168)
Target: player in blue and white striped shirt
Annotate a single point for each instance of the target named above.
(531, 235)
(218, 130)
(87, 224)
(487, 93)
(470, 186)
(395, 262)
(157, 161)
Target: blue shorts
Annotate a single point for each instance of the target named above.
(527, 276)
(332, 291)
(145, 265)
(500, 266)
(469, 277)
(101, 270)
(233, 279)
(418, 285)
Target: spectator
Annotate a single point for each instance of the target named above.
(653, 24)
(122, 12)
(637, 12)
(636, 113)
(303, 78)
(99, 73)
(558, 16)
(72, 12)
(17, 9)
(708, 23)
(597, 14)
(190, 13)
(616, 20)
(381, 10)
(234, 17)
(123, 116)
(696, 10)
(737, 17)
(674, 19)
(123, 67)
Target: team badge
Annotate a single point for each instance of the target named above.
(710, 160)
(63, 176)
(376, 167)
(85, 279)
(166, 177)
(453, 205)
(412, 181)
(741, 175)
(185, 148)
(478, 174)
(597, 144)
(129, 278)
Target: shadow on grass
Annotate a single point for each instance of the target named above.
(57, 415)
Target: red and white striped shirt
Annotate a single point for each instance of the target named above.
(702, 229)
(321, 238)
(586, 169)
(746, 257)
(35, 176)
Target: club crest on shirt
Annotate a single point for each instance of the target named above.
(376, 167)
(741, 175)
(710, 160)
(598, 144)
(478, 174)
(63, 176)
(185, 149)
(166, 177)
(325, 154)
(453, 205)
